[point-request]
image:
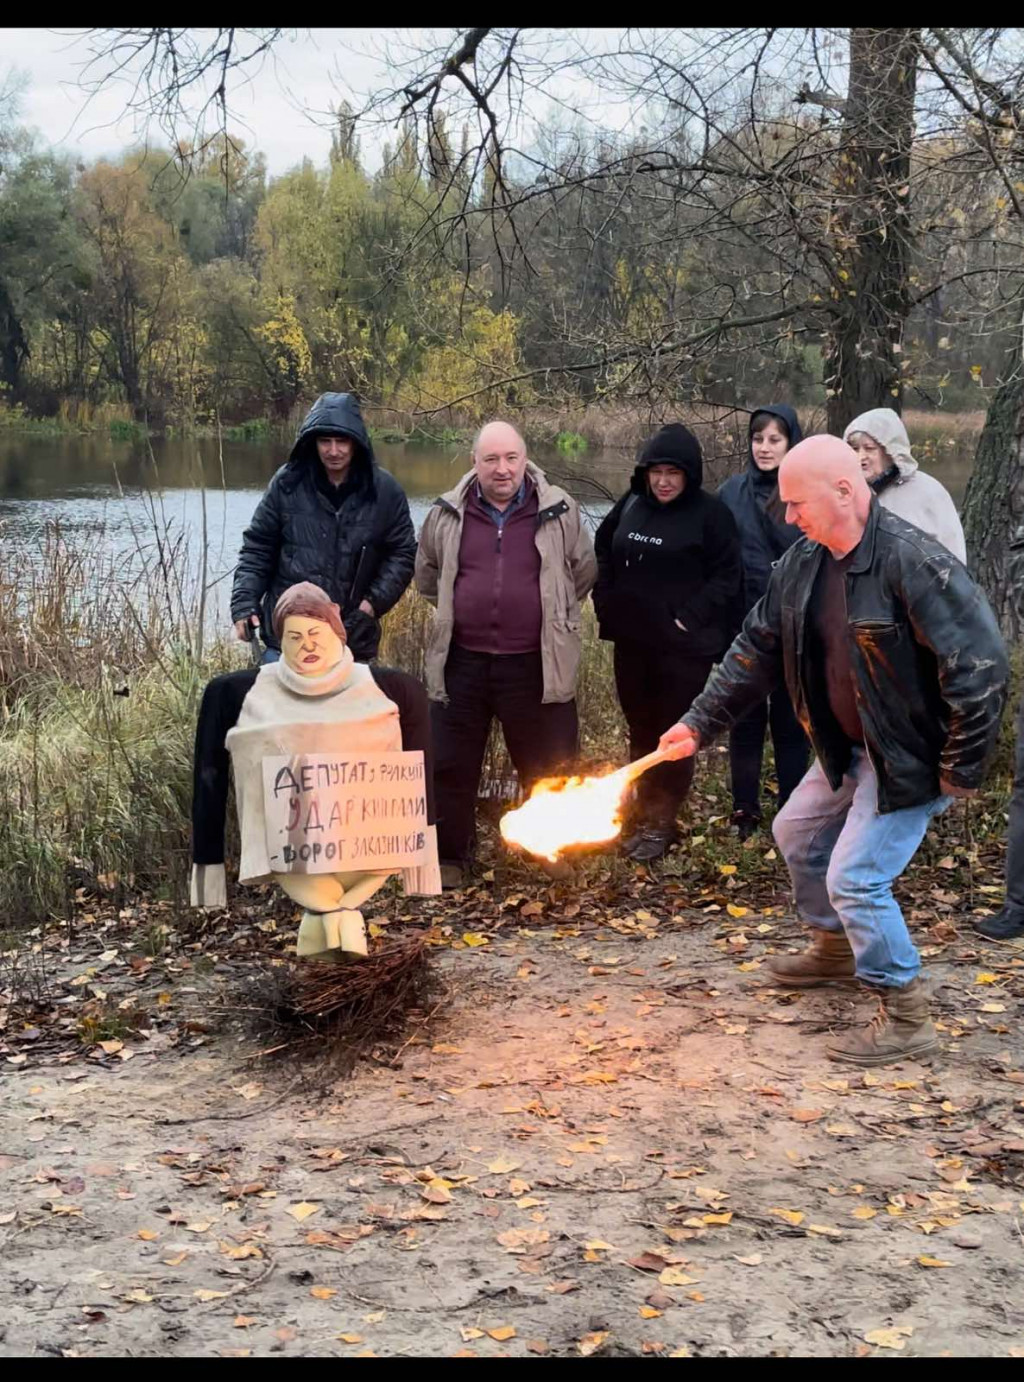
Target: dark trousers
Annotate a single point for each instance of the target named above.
(1015, 835)
(656, 686)
(542, 739)
(746, 747)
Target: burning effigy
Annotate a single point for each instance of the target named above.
(567, 812)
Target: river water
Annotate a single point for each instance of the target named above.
(121, 498)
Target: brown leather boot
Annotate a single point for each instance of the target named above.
(900, 1030)
(828, 961)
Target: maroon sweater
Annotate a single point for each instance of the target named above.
(497, 590)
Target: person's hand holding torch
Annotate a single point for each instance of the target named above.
(679, 742)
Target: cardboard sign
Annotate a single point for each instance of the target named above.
(345, 813)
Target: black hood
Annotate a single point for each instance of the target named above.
(785, 414)
(671, 445)
(335, 415)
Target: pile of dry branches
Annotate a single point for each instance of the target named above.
(349, 1008)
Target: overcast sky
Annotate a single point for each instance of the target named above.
(268, 112)
(277, 112)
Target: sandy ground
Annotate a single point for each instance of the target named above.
(615, 1137)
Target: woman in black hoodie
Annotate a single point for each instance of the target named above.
(668, 583)
(753, 499)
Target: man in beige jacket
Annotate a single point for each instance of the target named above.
(506, 559)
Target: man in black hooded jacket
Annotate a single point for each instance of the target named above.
(332, 516)
(668, 583)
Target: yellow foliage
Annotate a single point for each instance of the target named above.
(289, 353)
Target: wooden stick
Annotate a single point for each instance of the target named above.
(650, 760)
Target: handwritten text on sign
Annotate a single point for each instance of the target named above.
(334, 813)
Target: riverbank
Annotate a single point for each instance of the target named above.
(570, 431)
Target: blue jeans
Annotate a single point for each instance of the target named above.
(270, 655)
(843, 858)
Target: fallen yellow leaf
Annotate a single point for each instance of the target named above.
(351, 1338)
(590, 1343)
(470, 1331)
(518, 1240)
(711, 1219)
(675, 1276)
(648, 1312)
(302, 1210)
(735, 911)
(209, 1295)
(239, 1254)
(502, 1166)
(436, 1191)
(322, 1292)
(927, 1261)
(791, 1216)
(863, 1212)
(147, 1234)
(896, 1337)
(985, 978)
(727, 870)
(474, 938)
(503, 1332)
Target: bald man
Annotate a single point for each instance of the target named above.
(898, 674)
(506, 559)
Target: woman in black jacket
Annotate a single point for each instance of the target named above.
(332, 516)
(668, 583)
(753, 499)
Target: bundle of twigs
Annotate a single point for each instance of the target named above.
(352, 1007)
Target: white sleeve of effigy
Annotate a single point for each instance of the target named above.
(425, 879)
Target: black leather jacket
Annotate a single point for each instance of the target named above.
(929, 663)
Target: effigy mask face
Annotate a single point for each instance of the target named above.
(310, 647)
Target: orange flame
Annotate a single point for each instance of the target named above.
(564, 811)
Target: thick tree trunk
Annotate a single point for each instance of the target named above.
(993, 506)
(872, 226)
(13, 345)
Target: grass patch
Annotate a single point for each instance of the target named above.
(571, 443)
(122, 429)
(253, 429)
